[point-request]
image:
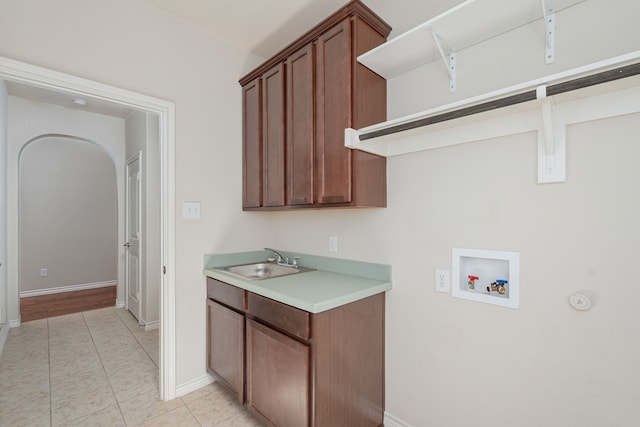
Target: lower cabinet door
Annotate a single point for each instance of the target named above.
(225, 360)
(277, 377)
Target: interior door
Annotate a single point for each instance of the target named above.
(133, 237)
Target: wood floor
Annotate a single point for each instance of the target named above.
(45, 306)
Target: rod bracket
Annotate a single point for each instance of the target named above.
(551, 142)
(547, 119)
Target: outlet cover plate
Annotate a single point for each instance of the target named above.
(333, 243)
(443, 281)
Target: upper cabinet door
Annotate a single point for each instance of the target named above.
(333, 114)
(273, 134)
(300, 127)
(252, 144)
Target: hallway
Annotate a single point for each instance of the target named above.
(98, 368)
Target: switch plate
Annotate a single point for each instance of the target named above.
(333, 243)
(44, 272)
(191, 210)
(443, 282)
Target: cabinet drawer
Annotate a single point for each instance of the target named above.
(285, 317)
(225, 293)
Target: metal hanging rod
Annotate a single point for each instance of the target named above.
(530, 95)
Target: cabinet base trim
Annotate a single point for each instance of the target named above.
(194, 385)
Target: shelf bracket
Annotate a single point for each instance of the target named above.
(449, 59)
(550, 30)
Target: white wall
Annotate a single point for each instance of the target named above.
(28, 120)
(68, 215)
(3, 202)
(142, 136)
(453, 362)
(128, 44)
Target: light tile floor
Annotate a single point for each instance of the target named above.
(98, 368)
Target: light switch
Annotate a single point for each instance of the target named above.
(191, 210)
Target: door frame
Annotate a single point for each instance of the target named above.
(136, 157)
(31, 75)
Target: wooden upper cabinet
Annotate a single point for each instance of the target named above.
(300, 127)
(333, 114)
(273, 136)
(323, 90)
(252, 144)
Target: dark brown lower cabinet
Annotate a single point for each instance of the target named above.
(297, 368)
(277, 377)
(226, 346)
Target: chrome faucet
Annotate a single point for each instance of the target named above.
(284, 260)
(280, 259)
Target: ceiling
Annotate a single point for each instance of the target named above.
(262, 27)
(63, 99)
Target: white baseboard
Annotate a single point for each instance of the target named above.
(4, 332)
(149, 326)
(194, 384)
(71, 288)
(119, 303)
(393, 421)
(15, 323)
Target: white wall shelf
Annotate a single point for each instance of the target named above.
(459, 28)
(534, 110)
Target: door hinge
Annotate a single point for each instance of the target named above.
(164, 269)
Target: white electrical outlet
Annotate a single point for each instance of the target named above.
(333, 243)
(443, 282)
(44, 272)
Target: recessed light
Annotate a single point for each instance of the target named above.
(79, 102)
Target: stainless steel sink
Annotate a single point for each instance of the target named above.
(264, 270)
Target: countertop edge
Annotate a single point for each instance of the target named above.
(377, 286)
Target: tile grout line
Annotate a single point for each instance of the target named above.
(145, 352)
(154, 363)
(191, 412)
(103, 369)
(138, 341)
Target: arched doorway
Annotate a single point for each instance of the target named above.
(68, 225)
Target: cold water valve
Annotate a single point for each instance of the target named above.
(498, 286)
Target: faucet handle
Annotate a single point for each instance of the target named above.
(295, 261)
